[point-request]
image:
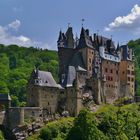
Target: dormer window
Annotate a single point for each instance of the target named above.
(36, 81)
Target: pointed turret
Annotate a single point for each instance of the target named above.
(82, 40)
(118, 47)
(98, 43)
(69, 38)
(61, 40)
(82, 35)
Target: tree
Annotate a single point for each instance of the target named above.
(85, 128)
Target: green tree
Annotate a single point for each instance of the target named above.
(85, 128)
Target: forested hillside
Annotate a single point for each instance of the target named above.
(135, 45)
(16, 65)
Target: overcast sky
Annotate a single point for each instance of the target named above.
(37, 22)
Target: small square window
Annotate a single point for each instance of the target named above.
(132, 79)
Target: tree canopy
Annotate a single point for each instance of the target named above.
(16, 66)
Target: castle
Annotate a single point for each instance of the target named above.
(91, 69)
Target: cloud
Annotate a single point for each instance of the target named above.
(15, 24)
(7, 38)
(17, 9)
(129, 22)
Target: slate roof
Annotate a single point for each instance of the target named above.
(104, 41)
(46, 79)
(85, 40)
(5, 97)
(71, 76)
(77, 60)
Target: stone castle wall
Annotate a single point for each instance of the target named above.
(20, 115)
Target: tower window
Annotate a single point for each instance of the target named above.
(89, 60)
(128, 71)
(132, 73)
(106, 69)
(90, 68)
(108, 78)
(132, 80)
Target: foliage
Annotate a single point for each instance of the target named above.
(85, 128)
(120, 123)
(16, 66)
(57, 130)
(1, 136)
(107, 123)
(135, 45)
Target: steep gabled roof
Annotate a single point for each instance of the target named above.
(43, 78)
(77, 60)
(85, 40)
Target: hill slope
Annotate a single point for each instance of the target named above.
(108, 123)
(16, 65)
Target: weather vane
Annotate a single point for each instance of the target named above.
(69, 24)
(83, 22)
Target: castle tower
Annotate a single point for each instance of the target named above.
(127, 77)
(69, 38)
(85, 46)
(66, 51)
(61, 40)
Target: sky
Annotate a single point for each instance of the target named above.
(38, 22)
